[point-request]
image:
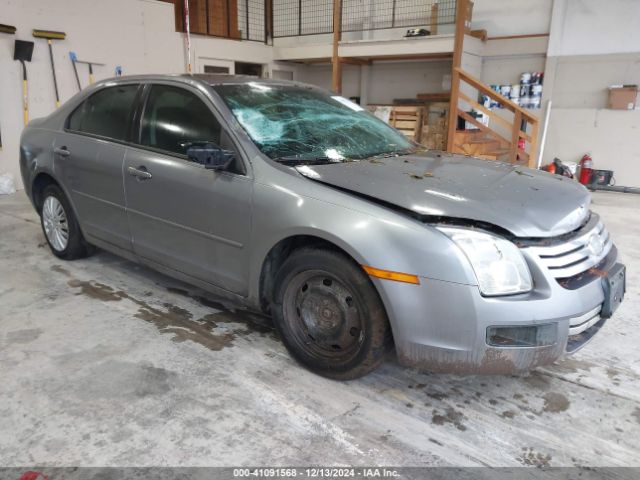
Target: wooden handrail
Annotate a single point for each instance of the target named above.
(492, 115)
(517, 138)
(508, 104)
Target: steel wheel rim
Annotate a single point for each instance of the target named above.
(324, 315)
(56, 225)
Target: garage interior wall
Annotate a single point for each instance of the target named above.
(390, 80)
(138, 35)
(580, 62)
(386, 81)
(593, 45)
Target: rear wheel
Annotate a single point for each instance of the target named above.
(329, 314)
(60, 226)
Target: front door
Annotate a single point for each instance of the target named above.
(183, 216)
(89, 156)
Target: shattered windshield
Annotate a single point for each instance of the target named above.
(294, 122)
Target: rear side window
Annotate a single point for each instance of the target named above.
(173, 117)
(105, 113)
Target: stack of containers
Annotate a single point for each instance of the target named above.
(514, 95)
(527, 94)
(531, 89)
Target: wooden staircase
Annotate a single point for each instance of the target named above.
(478, 144)
(511, 134)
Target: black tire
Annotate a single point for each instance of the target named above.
(322, 297)
(76, 246)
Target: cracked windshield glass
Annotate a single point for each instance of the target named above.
(294, 124)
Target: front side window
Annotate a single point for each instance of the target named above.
(295, 122)
(106, 113)
(174, 118)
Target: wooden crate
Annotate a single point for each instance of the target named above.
(408, 120)
(434, 126)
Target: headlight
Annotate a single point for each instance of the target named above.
(497, 263)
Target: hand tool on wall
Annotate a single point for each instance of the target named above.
(23, 51)
(11, 30)
(50, 36)
(74, 59)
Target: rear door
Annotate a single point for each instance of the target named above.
(89, 156)
(183, 216)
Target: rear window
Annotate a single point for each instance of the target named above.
(105, 113)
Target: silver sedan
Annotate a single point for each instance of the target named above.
(299, 204)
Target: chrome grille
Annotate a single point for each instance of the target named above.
(578, 254)
(583, 322)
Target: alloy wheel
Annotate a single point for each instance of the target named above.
(56, 225)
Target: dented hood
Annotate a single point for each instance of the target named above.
(527, 203)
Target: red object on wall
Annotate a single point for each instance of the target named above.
(586, 169)
(31, 475)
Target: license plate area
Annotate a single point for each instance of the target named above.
(614, 286)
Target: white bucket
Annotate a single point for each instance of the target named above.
(535, 102)
(536, 90)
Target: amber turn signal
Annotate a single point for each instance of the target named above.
(389, 275)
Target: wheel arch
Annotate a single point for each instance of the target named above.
(278, 253)
(41, 181)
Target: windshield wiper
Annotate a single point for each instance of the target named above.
(295, 160)
(396, 153)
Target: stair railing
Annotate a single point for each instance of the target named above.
(521, 138)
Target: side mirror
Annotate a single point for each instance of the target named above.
(210, 155)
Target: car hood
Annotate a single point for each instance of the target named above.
(527, 203)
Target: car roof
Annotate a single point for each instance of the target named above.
(202, 78)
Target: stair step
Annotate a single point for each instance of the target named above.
(482, 141)
(498, 151)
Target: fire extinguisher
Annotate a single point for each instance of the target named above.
(586, 169)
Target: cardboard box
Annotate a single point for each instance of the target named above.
(623, 97)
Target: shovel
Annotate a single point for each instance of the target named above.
(23, 51)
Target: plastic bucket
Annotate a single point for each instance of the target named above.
(602, 177)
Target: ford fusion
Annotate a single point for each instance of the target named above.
(295, 202)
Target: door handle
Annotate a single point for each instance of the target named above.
(140, 173)
(62, 151)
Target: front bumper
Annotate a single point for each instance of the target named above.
(442, 326)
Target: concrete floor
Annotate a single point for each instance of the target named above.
(105, 363)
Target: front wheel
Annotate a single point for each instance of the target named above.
(329, 314)
(60, 226)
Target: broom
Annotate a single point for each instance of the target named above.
(11, 30)
(49, 36)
